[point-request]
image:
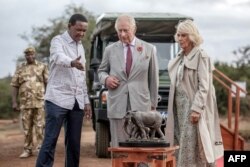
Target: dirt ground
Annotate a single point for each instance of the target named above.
(11, 145)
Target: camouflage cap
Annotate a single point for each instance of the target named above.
(29, 50)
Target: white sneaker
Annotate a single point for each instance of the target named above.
(25, 154)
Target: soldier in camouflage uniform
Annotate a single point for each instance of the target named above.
(29, 83)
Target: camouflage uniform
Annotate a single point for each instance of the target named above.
(30, 79)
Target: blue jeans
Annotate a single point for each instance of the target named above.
(55, 117)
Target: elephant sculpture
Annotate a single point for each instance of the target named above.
(136, 133)
(143, 125)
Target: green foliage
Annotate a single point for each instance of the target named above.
(41, 36)
(5, 99)
(243, 54)
(240, 73)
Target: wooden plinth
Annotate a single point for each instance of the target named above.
(131, 156)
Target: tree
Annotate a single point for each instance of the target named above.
(239, 73)
(41, 36)
(5, 99)
(243, 54)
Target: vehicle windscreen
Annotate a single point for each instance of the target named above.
(165, 52)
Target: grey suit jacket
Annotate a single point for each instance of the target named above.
(142, 83)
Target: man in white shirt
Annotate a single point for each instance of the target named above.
(66, 94)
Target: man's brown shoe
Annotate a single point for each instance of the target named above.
(25, 154)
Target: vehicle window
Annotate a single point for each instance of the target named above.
(165, 52)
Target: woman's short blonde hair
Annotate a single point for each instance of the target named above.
(188, 27)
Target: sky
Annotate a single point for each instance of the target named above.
(224, 24)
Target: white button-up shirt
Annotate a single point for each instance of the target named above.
(65, 83)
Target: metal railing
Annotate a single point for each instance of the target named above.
(226, 83)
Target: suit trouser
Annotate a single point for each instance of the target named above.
(55, 117)
(116, 129)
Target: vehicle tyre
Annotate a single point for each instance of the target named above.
(93, 121)
(93, 114)
(102, 140)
